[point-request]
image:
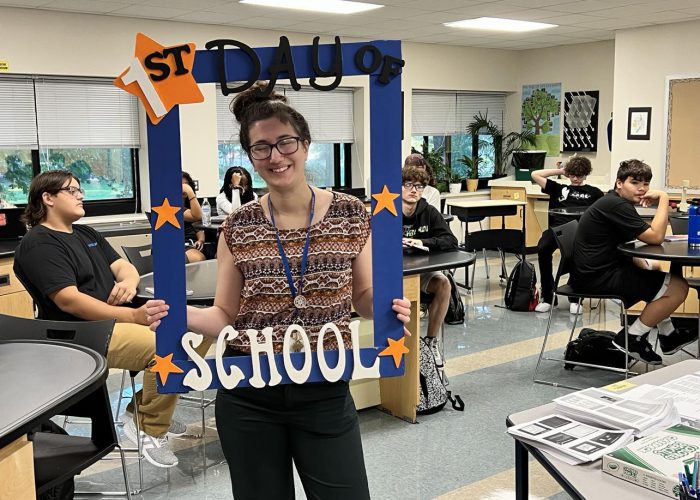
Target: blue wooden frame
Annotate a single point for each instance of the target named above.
(165, 168)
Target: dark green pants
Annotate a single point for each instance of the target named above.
(314, 425)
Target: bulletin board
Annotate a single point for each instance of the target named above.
(682, 129)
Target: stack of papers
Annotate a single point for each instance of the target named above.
(570, 441)
(619, 411)
(683, 391)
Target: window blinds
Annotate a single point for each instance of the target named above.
(85, 113)
(329, 114)
(449, 113)
(17, 119)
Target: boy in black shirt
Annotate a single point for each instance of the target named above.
(561, 196)
(73, 274)
(424, 226)
(600, 268)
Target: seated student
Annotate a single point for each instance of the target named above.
(600, 268)
(236, 191)
(576, 194)
(194, 240)
(424, 226)
(74, 274)
(430, 194)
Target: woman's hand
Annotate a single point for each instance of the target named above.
(235, 179)
(155, 310)
(402, 308)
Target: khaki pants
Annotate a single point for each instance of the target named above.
(132, 347)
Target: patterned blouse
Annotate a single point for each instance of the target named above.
(266, 299)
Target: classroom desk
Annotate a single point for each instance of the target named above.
(575, 213)
(399, 395)
(677, 252)
(587, 481)
(489, 208)
(42, 378)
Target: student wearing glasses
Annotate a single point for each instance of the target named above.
(430, 194)
(574, 194)
(74, 274)
(424, 226)
(300, 255)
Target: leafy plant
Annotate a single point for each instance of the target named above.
(472, 164)
(503, 144)
(436, 159)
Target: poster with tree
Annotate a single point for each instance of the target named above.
(541, 107)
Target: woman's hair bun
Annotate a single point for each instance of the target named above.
(251, 96)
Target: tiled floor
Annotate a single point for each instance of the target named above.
(449, 455)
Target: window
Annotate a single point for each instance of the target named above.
(439, 123)
(330, 118)
(87, 126)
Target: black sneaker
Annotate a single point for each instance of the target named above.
(639, 347)
(671, 344)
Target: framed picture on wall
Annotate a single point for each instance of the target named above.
(638, 124)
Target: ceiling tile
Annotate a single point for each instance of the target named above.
(672, 4)
(571, 19)
(206, 17)
(491, 9)
(192, 5)
(25, 3)
(538, 3)
(149, 12)
(661, 17)
(609, 24)
(580, 7)
(627, 10)
(86, 6)
(317, 27)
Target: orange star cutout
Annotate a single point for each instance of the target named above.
(161, 77)
(385, 199)
(166, 213)
(396, 349)
(164, 366)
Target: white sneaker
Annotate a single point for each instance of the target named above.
(543, 307)
(176, 429)
(433, 343)
(575, 308)
(156, 450)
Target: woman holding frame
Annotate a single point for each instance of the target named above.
(301, 255)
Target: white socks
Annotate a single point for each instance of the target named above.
(638, 328)
(665, 327)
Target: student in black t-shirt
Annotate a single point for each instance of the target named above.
(576, 194)
(424, 226)
(600, 268)
(74, 274)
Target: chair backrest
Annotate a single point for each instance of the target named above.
(679, 225)
(92, 334)
(565, 235)
(140, 257)
(507, 240)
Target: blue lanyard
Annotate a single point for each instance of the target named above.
(300, 301)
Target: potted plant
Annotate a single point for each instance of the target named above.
(503, 144)
(472, 165)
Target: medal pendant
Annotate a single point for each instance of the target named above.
(299, 301)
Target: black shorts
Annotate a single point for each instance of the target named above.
(630, 282)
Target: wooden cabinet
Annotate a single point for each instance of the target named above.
(17, 470)
(533, 229)
(14, 299)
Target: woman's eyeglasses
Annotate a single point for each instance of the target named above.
(286, 146)
(411, 185)
(73, 191)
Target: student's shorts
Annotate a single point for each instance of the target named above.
(630, 282)
(425, 279)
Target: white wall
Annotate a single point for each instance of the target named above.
(588, 66)
(644, 58)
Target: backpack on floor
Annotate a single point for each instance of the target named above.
(594, 347)
(433, 393)
(455, 311)
(521, 288)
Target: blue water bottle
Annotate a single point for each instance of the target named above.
(694, 225)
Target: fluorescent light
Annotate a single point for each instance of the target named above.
(328, 6)
(498, 24)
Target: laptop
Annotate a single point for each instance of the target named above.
(11, 227)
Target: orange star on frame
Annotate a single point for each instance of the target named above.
(160, 76)
(385, 199)
(396, 349)
(164, 366)
(166, 213)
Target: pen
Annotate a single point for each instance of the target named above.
(696, 471)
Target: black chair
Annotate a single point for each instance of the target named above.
(564, 236)
(140, 257)
(502, 240)
(59, 457)
(679, 224)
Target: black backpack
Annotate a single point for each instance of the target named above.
(594, 347)
(521, 289)
(455, 311)
(433, 393)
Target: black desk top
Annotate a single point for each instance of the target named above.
(7, 248)
(109, 229)
(674, 251)
(201, 276)
(577, 212)
(41, 379)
